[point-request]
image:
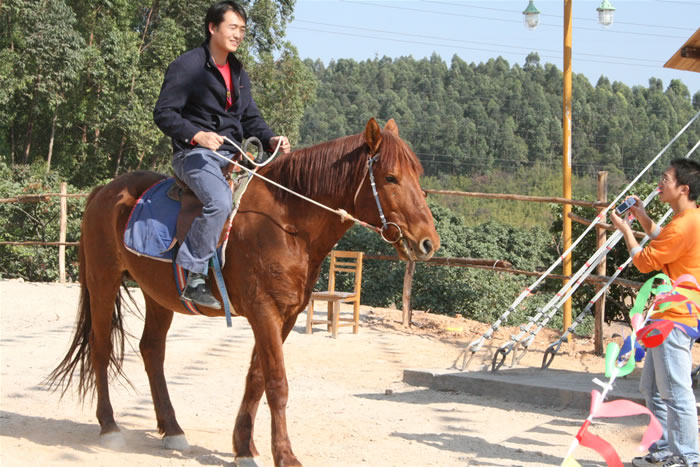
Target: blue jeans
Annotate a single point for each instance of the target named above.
(667, 387)
(201, 170)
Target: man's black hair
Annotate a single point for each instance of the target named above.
(216, 13)
(688, 173)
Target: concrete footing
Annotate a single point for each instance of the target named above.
(551, 388)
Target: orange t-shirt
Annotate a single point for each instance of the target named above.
(676, 251)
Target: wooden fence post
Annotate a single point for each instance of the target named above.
(601, 238)
(406, 299)
(62, 234)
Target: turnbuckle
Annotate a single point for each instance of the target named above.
(474, 348)
(550, 353)
(499, 357)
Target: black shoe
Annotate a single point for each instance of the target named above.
(649, 460)
(199, 294)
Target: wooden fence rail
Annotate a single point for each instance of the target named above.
(63, 223)
(505, 196)
(29, 243)
(37, 198)
(478, 263)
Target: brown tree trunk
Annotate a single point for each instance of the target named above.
(119, 155)
(138, 166)
(601, 238)
(407, 312)
(12, 144)
(30, 125)
(51, 139)
(96, 143)
(28, 139)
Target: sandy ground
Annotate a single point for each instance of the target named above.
(347, 403)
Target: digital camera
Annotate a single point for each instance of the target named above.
(625, 205)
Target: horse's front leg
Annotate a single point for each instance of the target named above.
(243, 443)
(266, 374)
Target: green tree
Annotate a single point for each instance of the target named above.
(81, 79)
(45, 53)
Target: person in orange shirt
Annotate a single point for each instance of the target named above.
(675, 250)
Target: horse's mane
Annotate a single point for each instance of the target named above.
(327, 168)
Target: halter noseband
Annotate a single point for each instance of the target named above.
(385, 225)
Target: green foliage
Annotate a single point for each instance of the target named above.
(35, 222)
(80, 79)
(538, 180)
(287, 76)
(476, 294)
(468, 119)
(618, 297)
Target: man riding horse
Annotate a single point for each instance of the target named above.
(205, 97)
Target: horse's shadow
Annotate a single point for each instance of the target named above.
(83, 438)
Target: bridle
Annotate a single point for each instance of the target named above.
(341, 212)
(385, 224)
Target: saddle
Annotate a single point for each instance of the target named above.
(164, 213)
(191, 206)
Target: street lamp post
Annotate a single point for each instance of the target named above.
(566, 164)
(605, 17)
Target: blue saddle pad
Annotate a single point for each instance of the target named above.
(152, 223)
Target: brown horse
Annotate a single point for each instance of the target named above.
(273, 258)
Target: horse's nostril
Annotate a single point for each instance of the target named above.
(426, 246)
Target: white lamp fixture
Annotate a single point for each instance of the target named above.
(531, 15)
(605, 13)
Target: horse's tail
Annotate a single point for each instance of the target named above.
(79, 352)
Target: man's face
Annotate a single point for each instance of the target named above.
(229, 34)
(669, 189)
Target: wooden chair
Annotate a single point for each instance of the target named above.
(345, 262)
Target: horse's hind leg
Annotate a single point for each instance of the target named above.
(103, 294)
(152, 348)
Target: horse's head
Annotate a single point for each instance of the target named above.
(407, 222)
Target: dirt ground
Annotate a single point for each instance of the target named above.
(347, 403)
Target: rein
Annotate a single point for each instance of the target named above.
(344, 215)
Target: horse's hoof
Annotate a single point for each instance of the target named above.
(114, 440)
(176, 442)
(248, 462)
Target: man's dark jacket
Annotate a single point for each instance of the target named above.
(193, 99)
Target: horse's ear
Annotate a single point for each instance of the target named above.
(391, 127)
(373, 136)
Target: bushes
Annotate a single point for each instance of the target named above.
(476, 294)
(617, 296)
(35, 222)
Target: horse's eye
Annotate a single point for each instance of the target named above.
(391, 179)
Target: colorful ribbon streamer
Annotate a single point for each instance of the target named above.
(625, 408)
(648, 336)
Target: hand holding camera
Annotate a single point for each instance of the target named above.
(625, 205)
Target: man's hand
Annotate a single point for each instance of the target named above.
(209, 140)
(626, 230)
(618, 221)
(285, 147)
(638, 209)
